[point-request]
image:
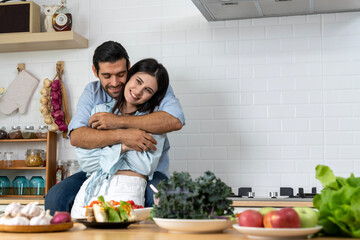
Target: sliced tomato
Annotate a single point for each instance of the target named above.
(134, 206)
(95, 202)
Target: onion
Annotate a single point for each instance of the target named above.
(54, 87)
(61, 217)
(63, 127)
(58, 115)
(59, 122)
(54, 95)
(55, 102)
(56, 107)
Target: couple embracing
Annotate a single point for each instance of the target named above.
(111, 130)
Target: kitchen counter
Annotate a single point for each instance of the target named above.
(277, 202)
(143, 230)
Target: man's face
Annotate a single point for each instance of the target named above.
(112, 76)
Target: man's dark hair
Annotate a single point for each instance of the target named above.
(155, 69)
(110, 51)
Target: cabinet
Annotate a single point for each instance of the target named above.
(50, 168)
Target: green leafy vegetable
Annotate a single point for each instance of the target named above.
(338, 203)
(183, 198)
(115, 214)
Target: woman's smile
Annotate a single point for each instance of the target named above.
(134, 95)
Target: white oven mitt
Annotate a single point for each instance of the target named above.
(19, 93)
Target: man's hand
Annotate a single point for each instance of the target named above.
(138, 140)
(134, 139)
(104, 121)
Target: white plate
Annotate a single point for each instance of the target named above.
(142, 214)
(254, 232)
(193, 225)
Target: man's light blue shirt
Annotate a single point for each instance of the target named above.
(95, 94)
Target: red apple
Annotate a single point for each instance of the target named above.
(285, 218)
(267, 219)
(250, 218)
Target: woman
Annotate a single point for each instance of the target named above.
(117, 172)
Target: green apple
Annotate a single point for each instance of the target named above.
(265, 210)
(308, 216)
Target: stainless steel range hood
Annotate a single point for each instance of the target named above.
(219, 10)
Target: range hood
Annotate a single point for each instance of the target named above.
(219, 10)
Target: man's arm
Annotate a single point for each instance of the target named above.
(90, 138)
(157, 122)
(169, 117)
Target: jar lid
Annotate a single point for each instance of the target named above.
(32, 151)
(43, 127)
(2, 128)
(29, 128)
(15, 128)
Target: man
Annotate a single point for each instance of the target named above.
(110, 66)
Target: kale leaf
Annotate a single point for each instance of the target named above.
(183, 198)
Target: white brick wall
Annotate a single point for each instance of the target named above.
(265, 100)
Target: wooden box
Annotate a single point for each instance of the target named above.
(19, 17)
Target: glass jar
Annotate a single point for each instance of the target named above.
(72, 167)
(8, 159)
(4, 185)
(28, 133)
(62, 18)
(37, 185)
(20, 185)
(3, 133)
(33, 158)
(42, 132)
(15, 132)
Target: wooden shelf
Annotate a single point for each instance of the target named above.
(23, 140)
(50, 168)
(20, 42)
(20, 164)
(22, 199)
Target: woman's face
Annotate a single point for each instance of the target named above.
(140, 88)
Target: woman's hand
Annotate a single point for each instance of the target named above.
(125, 148)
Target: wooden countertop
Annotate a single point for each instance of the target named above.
(144, 230)
(237, 203)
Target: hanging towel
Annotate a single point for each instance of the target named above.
(19, 93)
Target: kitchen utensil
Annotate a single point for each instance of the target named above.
(276, 233)
(193, 225)
(104, 225)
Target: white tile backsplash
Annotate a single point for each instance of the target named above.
(265, 100)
